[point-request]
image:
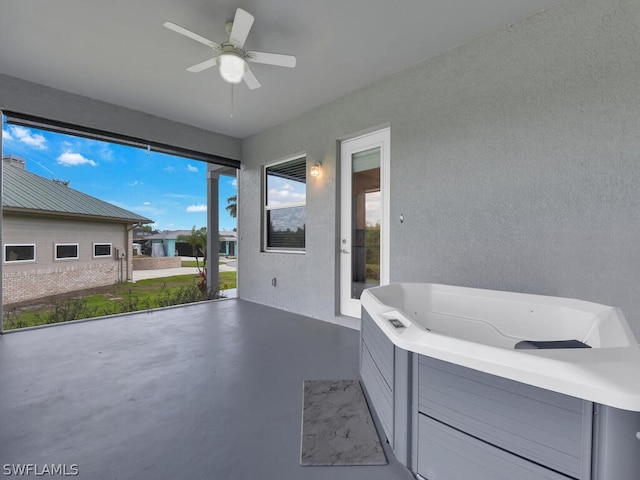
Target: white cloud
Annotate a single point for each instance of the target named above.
(197, 208)
(71, 159)
(6, 135)
(279, 197)
(373, 208)
(191, 168)
(25, 136)
(106, 153)
(144, 209)
(135, 183)
(169, 169)
(234, 182)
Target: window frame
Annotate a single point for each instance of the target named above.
(11, 262)
(95, 244)
(65, 244)
(266, 208)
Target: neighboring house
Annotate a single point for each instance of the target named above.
(165, 244)
(57, 240)
(228, 243)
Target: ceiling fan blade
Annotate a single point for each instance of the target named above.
(204, 65)
(251, 80)
(277, 59)
(241, 25)
(194, 36)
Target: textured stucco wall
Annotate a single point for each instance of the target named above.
(515, 161)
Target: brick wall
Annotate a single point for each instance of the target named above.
(156, 263)
(19, 286)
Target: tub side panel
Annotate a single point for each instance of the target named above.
(380, 347)
(379, 394)
(447, 454)
(376, 371)
(616, 444)
(542, 426)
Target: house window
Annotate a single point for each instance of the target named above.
(66, 251)
(14, 253)
(101, 249)
(285, 205)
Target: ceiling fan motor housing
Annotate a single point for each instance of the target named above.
(232, 63)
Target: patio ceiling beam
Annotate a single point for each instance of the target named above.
(26, 120)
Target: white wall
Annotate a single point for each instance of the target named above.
(515, 161)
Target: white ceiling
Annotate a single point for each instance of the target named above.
(119, 52)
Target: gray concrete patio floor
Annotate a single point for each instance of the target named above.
(210, 390)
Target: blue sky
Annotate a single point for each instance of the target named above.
(170, 190)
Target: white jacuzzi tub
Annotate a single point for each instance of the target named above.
(480, 329)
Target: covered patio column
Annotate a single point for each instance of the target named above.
(213, 228)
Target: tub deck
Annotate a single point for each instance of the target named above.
(479, 329)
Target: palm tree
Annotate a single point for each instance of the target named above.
(197, 239)
(232, 206)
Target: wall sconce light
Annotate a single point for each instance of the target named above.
(315, 170)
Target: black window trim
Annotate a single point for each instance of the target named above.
(265, 208)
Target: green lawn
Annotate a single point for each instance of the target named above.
(114, 299)
(192, 263)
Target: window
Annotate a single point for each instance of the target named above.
(285, 205)
(101, 249)
(66, 251)
(14, 253)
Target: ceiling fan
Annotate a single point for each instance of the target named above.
(231, 56)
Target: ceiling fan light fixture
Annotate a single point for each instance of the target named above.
(232, 67)
(231, 56)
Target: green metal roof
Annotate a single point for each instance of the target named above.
(30, 193)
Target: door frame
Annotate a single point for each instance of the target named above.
(377, 138)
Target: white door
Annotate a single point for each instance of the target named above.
(364, 223)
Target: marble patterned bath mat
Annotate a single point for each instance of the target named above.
(337, 428)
